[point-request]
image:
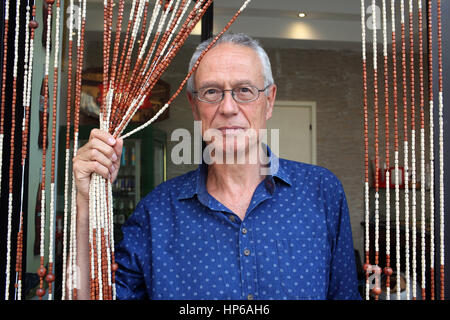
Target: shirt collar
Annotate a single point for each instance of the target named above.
(196, 182)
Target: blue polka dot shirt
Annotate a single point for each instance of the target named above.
(295, 241)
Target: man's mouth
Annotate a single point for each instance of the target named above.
(231, 129)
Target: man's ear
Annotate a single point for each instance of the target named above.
(270, 100)
(193, 104)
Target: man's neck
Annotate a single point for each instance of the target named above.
(233, 181)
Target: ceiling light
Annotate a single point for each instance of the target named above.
(301, 14)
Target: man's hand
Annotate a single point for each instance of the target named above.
(100, 155)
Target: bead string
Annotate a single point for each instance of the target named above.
(387, 270)
(19, 243)
(50, 278)
(376, 290)
(406, 151)
(80, 59)
(422, 151)
(31, 25)
(67, 154)
(430, 97)
(413, 150)
(42, 271)
(441, 153)
(3, 94)
(366, 149)
(11, 163)
(396, 151)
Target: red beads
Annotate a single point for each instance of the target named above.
(388, 271)
(33, 24)
(40, 292)
(166, 6)
(50, 1)
(41, 272)
(50, 278)
(114, 267)
(376, 291)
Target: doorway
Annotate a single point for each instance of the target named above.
(296, 121)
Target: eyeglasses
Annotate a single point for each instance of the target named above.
(242, 94)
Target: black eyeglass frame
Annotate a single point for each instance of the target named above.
(232, 95)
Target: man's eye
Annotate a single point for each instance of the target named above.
(245, 90)
(211, 91)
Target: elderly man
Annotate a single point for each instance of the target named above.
(228, 230)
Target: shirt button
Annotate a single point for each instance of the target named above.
(244, 231)
(246, 252)
(250, 297)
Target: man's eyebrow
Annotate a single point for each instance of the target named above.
(215, 84)
(207, 84)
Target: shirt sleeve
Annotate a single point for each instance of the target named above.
(132, 255)
(343, 282)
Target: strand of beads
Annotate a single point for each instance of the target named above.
(3, 94)
(31, 25)
(80, 58)
(366, 149)
(19, 244)
(67, 153)
(406, 150)
(422, 152)
(42, 271)
(50, 278)
(396, 151)
(387, 270)
(376, 290)
(430, 100)
(11, 162)
(413, 149)
(441, 154)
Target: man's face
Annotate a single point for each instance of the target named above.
(225, 67)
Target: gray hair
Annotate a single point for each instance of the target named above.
(238, 39)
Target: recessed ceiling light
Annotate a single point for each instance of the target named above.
(301, 14)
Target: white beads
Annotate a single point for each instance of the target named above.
(9, 228)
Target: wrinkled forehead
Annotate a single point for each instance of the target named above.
(230, 63)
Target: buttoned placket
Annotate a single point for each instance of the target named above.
(246, 245)
(248, 255)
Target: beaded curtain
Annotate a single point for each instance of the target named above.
(403, 84)
(154, 33)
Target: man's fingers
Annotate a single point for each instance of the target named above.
(96, 144)
(103, 136)
(98, 156)
(83, 169)
(118, 149)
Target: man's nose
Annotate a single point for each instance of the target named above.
(228, 106)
